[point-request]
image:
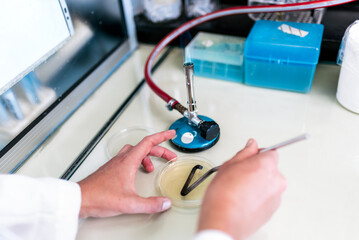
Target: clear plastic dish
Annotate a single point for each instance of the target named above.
(172, 177)
(130, 136)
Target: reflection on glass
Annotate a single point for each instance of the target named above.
(99, 29)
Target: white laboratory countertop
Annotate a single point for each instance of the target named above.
(322, 198)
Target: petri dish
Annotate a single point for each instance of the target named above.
(172, 177)
(125, 136)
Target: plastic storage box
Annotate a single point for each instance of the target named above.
(217, 56)
(282, 55)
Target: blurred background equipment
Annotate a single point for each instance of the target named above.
(334, 19)
(196, 8)
(308, 16)
(162, 10)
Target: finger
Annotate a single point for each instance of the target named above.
(147, 164)
(125, 149)
(143, 148)
(270, 158)
(282, 186)
(248, 151)
(158, 151)
(150, 205)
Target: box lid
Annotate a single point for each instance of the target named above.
(216, 48)
(287, 42)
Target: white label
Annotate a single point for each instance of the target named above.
(207, 43)
(187, 138)
(293, 31)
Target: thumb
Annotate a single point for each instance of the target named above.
(152, 204)
(248, 151)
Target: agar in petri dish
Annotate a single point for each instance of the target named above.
(130, 136)
(172, 177)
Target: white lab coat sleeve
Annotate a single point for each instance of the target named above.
(212, 235)
(38, 209)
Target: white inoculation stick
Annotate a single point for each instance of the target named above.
(186, 189)
(285, 143)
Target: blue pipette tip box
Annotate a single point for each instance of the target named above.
(282, 55)
(217, 56)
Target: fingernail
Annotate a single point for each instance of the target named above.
(250, 141)
(166, 205)
(173, 159)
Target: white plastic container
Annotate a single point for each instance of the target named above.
(348, 85)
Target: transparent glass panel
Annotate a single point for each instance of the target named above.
(99, 29)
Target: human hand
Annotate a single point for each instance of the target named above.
(110, 190)
(244, 194)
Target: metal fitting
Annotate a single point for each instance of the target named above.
(169, 105)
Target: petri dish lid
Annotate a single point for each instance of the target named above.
(132, 136)
(171, 178)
